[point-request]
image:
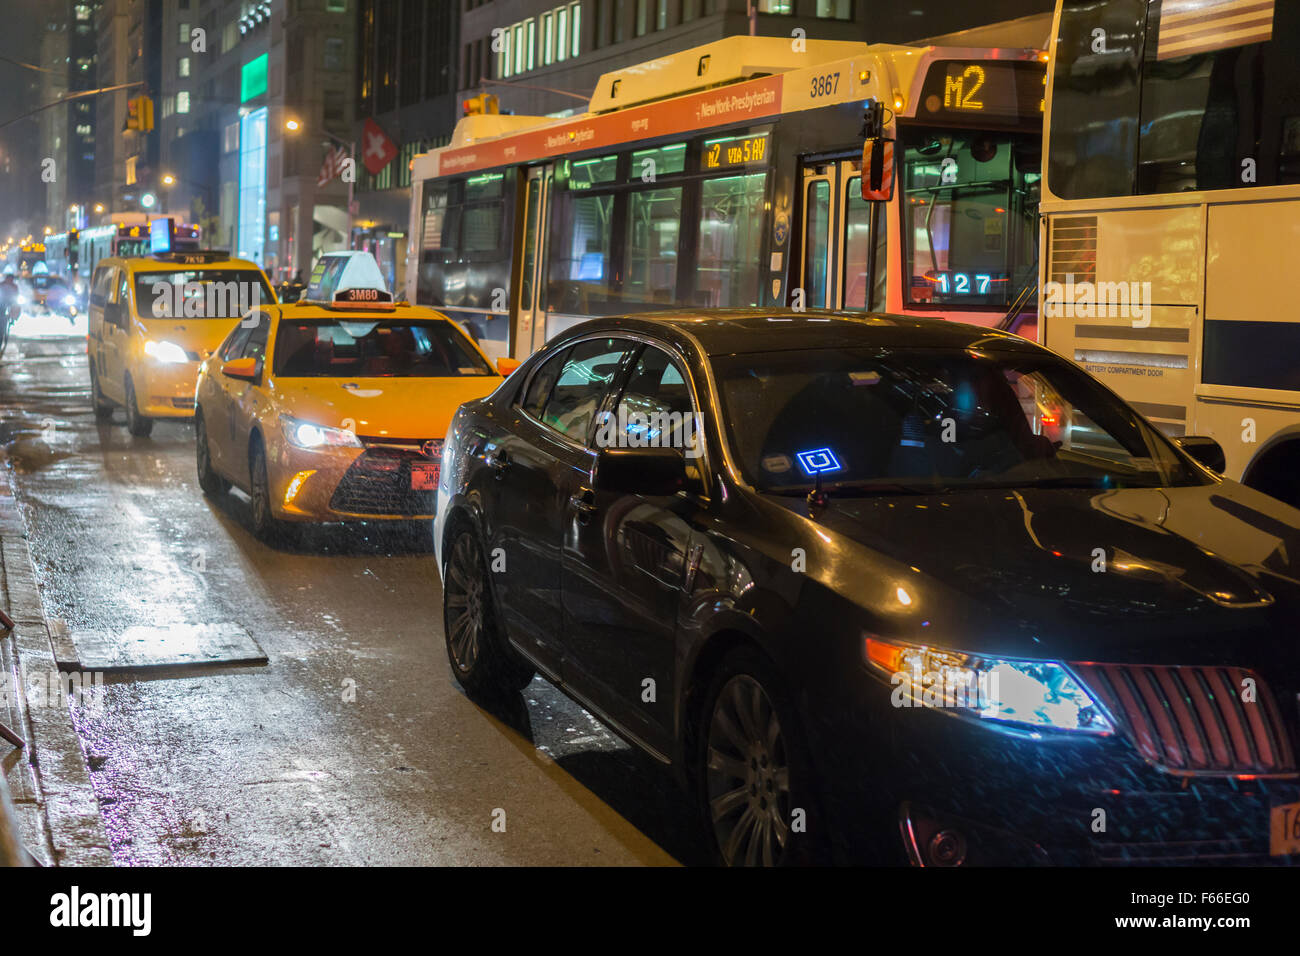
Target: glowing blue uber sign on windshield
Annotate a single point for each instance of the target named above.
(818, 460)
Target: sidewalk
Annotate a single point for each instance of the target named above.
(58, 815)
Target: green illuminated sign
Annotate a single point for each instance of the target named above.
(252, 79)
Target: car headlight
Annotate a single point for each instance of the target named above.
(1017, 696)
(168, 353)
(310, 435)
(69, 300)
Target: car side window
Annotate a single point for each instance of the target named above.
(234, 343)
(124, 291)
(543, 380)
(255, 345)
(655, 408)
(588, 369)
(100, 284)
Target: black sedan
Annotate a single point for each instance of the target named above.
(883, 589)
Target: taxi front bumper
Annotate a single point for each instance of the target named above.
(165, 390)
(374, 483)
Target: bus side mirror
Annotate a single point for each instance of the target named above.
(877, 169)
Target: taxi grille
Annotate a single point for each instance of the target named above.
(1192, 720)
(379, 483)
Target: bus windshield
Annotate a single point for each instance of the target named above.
(969, 208)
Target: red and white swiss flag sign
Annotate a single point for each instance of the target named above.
(377, 150)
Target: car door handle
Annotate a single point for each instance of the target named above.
(583, 504)
(499, 462)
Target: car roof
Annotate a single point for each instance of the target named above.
(152, 264)
(739, 331)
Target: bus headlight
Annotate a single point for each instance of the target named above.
(1024, 697)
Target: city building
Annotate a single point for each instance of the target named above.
(406, 84)
(127, 53)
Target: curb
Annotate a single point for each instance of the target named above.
(55, 794)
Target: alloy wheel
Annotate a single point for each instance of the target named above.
(748, 776)
(464, 603)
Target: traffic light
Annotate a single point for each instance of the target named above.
(139, 114)
(481, 105)
(73, 250)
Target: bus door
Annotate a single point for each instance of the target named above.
(844, 261)
(821, 191)
(530, 316)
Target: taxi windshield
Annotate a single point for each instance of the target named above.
(200, 293)
(370, 348)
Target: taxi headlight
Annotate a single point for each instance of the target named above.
(168, 353)
(303, 434)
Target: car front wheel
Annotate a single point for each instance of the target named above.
(480, 656)
(213, 485)
(753, 777)
(138, 425)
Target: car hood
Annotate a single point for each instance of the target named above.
(416, 408)
(1080, 574)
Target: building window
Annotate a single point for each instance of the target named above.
(336, 6)
(185, 33)
(783, 7)
(332, 59)
(548, 39)
(562, 31)
(690, 9)
(575, 29)
(642, 17)
(252, 185)
(835, 9)
(183, 66)
(230, 138)
(530, 44)
(183, 101)
(661, 14)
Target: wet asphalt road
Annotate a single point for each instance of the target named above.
(248, 765)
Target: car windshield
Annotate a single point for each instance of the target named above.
(896, 421)
(368, 348)
(200, 293)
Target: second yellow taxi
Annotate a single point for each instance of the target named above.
(334, 408)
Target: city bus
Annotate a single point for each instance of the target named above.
(730, 175)
(127, 235)
(1171, 215)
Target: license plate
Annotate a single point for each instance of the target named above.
(1284, 830)
(424, 477)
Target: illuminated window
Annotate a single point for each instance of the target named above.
(835, 9)
(548, 39)
(183, 66)
(783, 7)
(575, 28)
(130, 170)
(562, 30)
(185, 33)
(183, 101)
(518, 43)
(530, 43)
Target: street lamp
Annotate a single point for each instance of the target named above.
(293, 126)
(99, 208)
(168, 179)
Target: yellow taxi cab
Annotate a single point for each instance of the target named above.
(152, 320)
(335, 408)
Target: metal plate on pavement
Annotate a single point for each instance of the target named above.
(171, 645)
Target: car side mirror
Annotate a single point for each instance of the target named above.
(1205, 450)
(641, 471)
(242, 368)
(507, 365)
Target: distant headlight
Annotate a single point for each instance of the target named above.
(309, 435)
(69, 300)
(168, 353)
(22, 299)
(1021, 697)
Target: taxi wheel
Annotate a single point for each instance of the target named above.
(103, 407)
(265, 524)
(480, 657)
(213, 485)
(138, 425)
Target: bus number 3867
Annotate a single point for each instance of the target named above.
(825, 85)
